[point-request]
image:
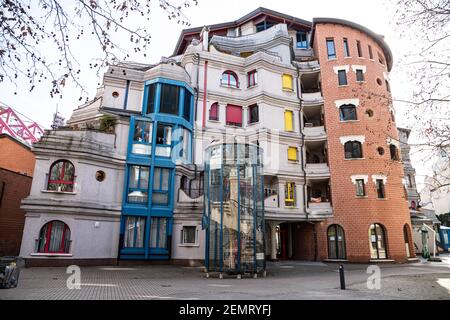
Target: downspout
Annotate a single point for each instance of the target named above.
(195, 112)
(303, 142)
(205, 90)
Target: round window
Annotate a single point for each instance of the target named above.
(380, 83)
(100, 175)
(380, 151)
(115, 94)
(369, 113)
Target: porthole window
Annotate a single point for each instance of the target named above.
(380, 83)
(369, 113)
(380, 151)
(100, 175)
(115, 94)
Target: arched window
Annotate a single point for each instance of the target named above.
(347, 112)
(407, 237)
(54, 238)
(214, 112)
(230, 79)
(377, 240)
(61, 176)
(353, 150)
(336, 242)
(394, 152)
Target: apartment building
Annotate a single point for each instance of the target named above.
(131, 177)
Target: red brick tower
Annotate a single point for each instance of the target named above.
(371, 217)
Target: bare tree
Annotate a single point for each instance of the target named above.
(38, 37)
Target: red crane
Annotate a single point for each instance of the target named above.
(23, 129)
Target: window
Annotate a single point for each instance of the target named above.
(388, 87)
(406, 239)
(287, 82)
(214, 112)
(142, 138)
(158, 233)
(54, 237)
(230, 79)
(379, 183)
(348, 112)
(346, 49)
(358, 47)
(169, 99)
(353, 150)
(342, 77)
(252, 78)
(360, 188)
(61, 177)
(263, 26)
(331, 50)
(288, 121)
(292, 154)
(370, 52)
(189, 235)
(2, 191)
(359, 75)
(377, 239)
(187, 105)
(234, 115)
(392, 116)
(163, 140)
(380, 151)
(369, 113)
(410, 181)
(138, 184)
(253, 114)
(380, 58)
(151, 96)
(161, 182)
(289, 194)
(185, 139)
(134, 232)
(302, 40)
(394, 152)
(336, 242)
(379, 82)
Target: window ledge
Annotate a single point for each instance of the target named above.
(347, 57)
(230, 87)
(349, 121)
(361, 82)
(234, 127)
(382, 199)
(39, 254)
(372, 60)
(293, 161)
(288, 90)
(361, 197)
(382, 260)
(58, 192)
(332, 59)
(353, 159)
(215, 121)
(253, 86)
(194, 245)
(252, 124)
(343, 86)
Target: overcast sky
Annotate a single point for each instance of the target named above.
(375, 15)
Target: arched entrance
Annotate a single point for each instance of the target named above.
(336, 242)
(377, 239)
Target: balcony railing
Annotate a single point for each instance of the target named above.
(314, 132)
(317, 169)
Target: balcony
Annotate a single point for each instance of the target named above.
(314, 133)
(314, 97)
(317, 169)
(320, 210)
(271, 201)
(311, 88)
(307, 65)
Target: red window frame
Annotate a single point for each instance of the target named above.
(251, 78)
(214, 112)
(48, 233)
(230, 74)
(61, 180)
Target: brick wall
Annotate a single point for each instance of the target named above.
(15, 156)
(15, 187)
(354, 214)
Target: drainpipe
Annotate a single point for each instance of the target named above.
(303, 143)
(205, 88)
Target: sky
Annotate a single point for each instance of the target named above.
(375, 15)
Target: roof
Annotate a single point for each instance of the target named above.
(378, 38)
(238, 22)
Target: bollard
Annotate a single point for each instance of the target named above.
(342, 276)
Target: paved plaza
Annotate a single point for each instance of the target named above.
(285, 280)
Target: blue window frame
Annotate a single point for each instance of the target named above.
(169, 100)
(302, 40)
(134, 234)
(163, 140)
(138, 181)
(185, 142)
(158, 233)
(161, 184)
(142, 138)
(331, 49)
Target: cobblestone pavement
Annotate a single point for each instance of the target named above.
(285, 280)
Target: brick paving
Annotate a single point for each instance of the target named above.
(285, 280)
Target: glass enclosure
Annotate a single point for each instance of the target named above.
(234, 208)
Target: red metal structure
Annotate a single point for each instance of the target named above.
(12, 124)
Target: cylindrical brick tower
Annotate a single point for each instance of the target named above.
(371, 220)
